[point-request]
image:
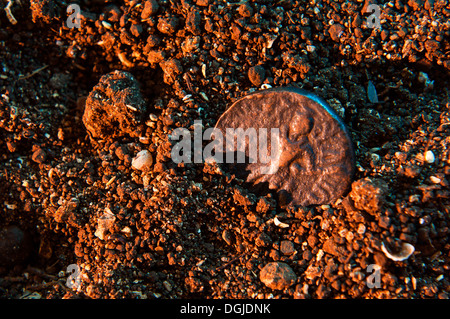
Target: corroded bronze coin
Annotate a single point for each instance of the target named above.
(309, 160)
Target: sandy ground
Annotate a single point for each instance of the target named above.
(78, 221)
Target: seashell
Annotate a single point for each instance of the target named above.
(280, 224)
(142, 161)
(403, 254)
(107, 25)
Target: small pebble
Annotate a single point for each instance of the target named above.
(143, 161)
(369, 194)
(287, 247)
(277, 275)
(245, 10)
(256, 75)
(429, 157)
(336, 31)
(150, 8)
(435, 180)
(115, 106)
(39, 156)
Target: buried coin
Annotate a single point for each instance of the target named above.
(309, 161)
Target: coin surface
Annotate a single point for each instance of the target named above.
(310, 162)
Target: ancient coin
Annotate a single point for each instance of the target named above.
(310, 162)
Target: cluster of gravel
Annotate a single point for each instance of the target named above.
(195, 230)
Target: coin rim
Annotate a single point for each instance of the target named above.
(319, 101)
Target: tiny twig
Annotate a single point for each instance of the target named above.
(187, 78)
(8, 12)
(289, 16)
(14, 279)
(46, 285)
(40, 273)
(347, 259)
(231, 261)
(23, 77)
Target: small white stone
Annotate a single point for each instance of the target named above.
(107, 25)
(406, 251)
(127, 230)
(361, 229)
(310, 48)
(429, 157)
(142, 161)
(280, 224)
(319, 255)
(435, 180)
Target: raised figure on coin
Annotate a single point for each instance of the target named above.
(315, 161)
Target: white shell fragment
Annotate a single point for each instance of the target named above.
(271, 39)
(435, 180)
(266, 86)
(310, 48)
(142, 161)
(406, 251)
(280, 224)
(429, 157)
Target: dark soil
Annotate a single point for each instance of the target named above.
(194, 230)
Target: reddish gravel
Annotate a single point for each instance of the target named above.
(195, 230)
